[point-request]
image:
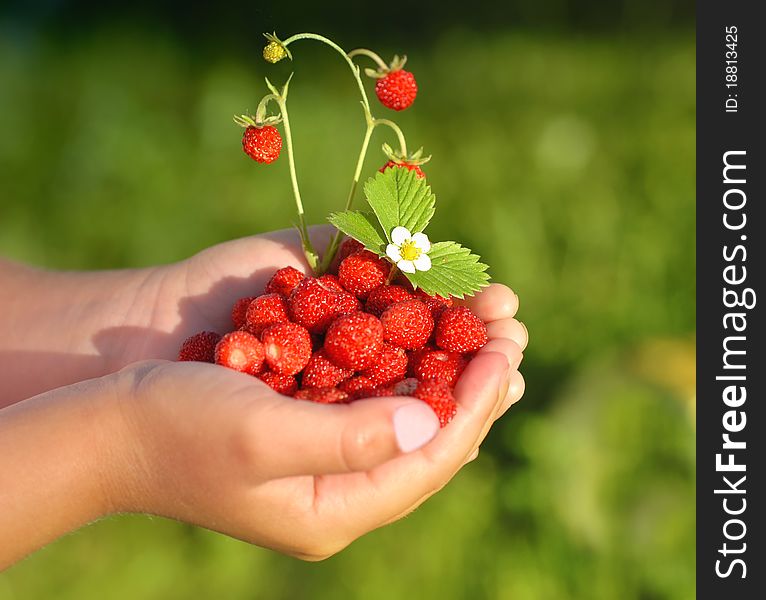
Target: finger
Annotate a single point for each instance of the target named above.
(318, 439)
(393, 487)
(511, 329)
(507, 347)
(319, 235)
(516, 388)
(270, 251)
(494, 302)
(502, 397)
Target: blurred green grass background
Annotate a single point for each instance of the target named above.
(565, 159)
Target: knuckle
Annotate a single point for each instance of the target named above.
(245, 444)
(319, 551)
(141, 377)
(361, 447)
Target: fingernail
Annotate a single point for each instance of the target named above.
(415, 425)
(473, 456)
(515, 364)
(526, 333)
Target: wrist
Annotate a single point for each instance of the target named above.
(126, 471)
(66, 327)
(61, 454)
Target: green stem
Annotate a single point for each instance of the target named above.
(308, 249)
(370, 54)
(260, 112)
(371, 124)
(397, 130)
(342, 52)
(333, 247)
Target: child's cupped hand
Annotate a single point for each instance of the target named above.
(220, 449)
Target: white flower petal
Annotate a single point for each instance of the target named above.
(400, 235)
(394, 253)
(421, 242)
(407, 266)
(422, 262)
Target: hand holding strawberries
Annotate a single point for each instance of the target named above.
(222, 450)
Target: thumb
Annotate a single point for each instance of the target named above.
(296, 437)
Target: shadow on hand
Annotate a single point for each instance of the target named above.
(37, 372)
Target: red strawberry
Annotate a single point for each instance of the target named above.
(386, 390)
(390, 366)
(358, 387)
(439, 397)
(397, 89)
(414, 356)
(349, 247)
(199, 347)
(265, 311)
(392, 163)
(439, 364)
(325, 395)
(362, 272)
(284, 281)
(459, 330)
(354, 341)
(384, 296)
(286, 385)
(436, 304)
(315, 304)
(407, 324)
(287, 346)
(322, 372)
(262, 144)
(240, 351)
(332, 282)
(239, 311)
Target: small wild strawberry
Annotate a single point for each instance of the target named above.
(262, 144)
(397, 89)
(199, 347)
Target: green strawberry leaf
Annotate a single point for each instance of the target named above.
(363, 227)
(455, 271)
(398, 197)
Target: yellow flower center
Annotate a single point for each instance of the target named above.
(410, 251)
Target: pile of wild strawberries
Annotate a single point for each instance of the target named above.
(345, 337)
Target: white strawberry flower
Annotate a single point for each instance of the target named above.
(408, 251)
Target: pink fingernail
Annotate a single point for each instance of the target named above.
(415, 425)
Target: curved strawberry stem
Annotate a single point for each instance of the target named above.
(397, 131)
(260, 112)
(341, 51)
(281, 98)
(371, 124)
(370, 54)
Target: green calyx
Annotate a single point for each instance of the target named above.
(415, 159)
(383, 69)
(260, 118)
(395, 65)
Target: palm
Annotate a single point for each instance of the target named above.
(197, 294)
